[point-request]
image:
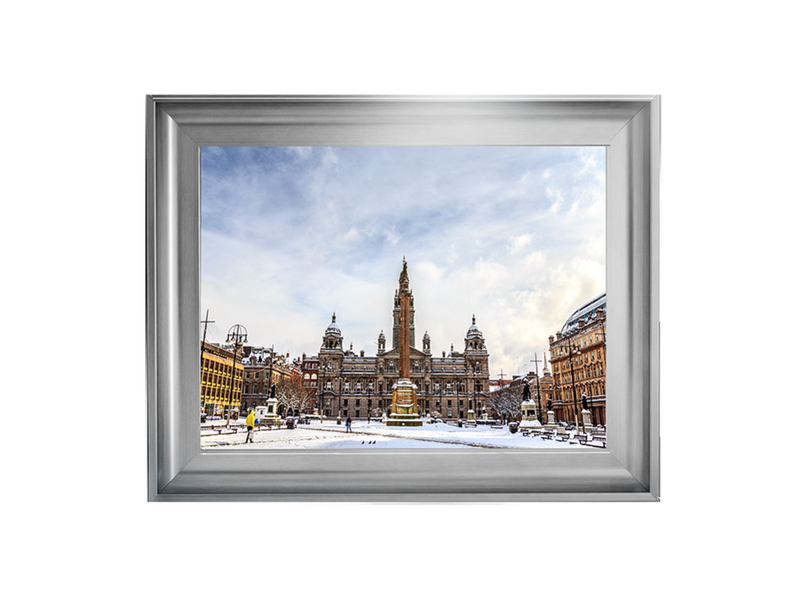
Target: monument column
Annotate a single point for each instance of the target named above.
(404, 317)
(404, 409)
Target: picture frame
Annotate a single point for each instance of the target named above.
(627, 470)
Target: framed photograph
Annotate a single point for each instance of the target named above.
(525, 226)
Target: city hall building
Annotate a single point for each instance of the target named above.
(361, 386)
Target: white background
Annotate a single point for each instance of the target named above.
(75, 77)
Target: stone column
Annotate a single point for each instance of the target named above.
(404, 408)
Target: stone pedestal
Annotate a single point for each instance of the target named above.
(586, 417)
(267, 413)
(529, 419)
(404, 409)
(470, 416)
(551, 420)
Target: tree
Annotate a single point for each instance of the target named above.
(295, 398)
(505, 402)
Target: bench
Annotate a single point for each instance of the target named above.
(220, 431)
(547, 435)
(496, 426)
(596, 442)
(562, 437)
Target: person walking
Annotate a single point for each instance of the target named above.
(250, 427)
(349, 424)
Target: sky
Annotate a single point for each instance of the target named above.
(512, 235)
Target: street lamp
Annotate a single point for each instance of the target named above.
(474, 390)
(370, 387)
(237, 335)
(538, 396)
(440, 394)
(572, 347)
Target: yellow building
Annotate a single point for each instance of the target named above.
(216, 381)
(578, 358)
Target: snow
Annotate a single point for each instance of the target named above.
(376, 435)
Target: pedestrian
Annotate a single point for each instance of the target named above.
(349, 424)
(250, 427)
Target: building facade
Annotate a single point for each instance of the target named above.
(361, 386)
(309, 368)
(218, 392)
(578, 360)
(541, 391)
(263, 370)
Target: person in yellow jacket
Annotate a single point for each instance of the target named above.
(250, 426)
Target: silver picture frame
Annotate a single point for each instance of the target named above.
(627, 470)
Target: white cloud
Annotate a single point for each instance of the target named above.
(519, 242)
(391, 237)
(307, 231)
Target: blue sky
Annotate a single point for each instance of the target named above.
(513, 235)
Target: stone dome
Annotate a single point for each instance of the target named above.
(333, 328)
(584, 313)
(473, 331)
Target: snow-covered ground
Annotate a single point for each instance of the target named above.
(377, 435)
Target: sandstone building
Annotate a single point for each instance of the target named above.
(361, 386)
(263, 368)
(578, 358)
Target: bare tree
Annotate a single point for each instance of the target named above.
(295, 398)
(505, 402)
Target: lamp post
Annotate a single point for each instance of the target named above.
(573, 348)
(271, 370)
(237, 335)
(440, 393)
(538, 390)
(340, 388)
(474, 390)
(206, 322)
(369, 387)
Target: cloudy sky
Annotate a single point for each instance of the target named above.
(513, 235)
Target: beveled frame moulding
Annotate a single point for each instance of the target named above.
(628, 470)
